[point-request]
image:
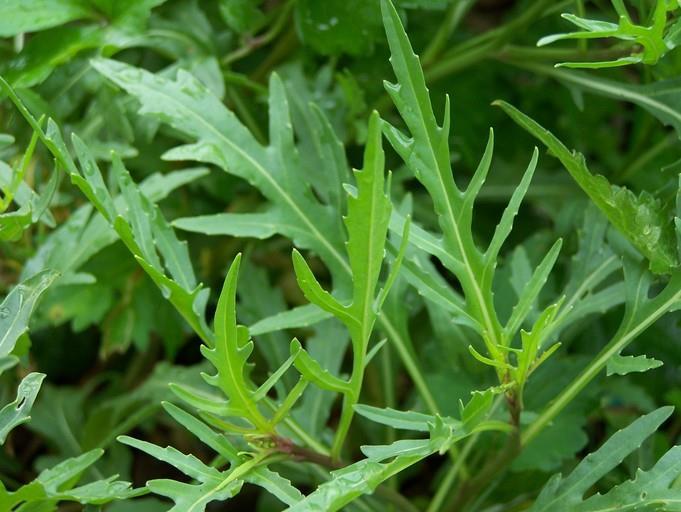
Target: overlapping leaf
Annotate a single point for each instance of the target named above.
(643, 219)
(222, 140)
(649, 488)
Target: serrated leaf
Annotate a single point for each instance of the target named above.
(18, 411)
(16, 309)
(190, 108)
(567, 493)
(648, 42)
(621, 365)
(642, 219)
(530, 291)
(230, 354)
(213, 485)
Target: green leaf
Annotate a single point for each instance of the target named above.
(646, 490)
(648, 42)
(46, 51)
(567, 493)
(367, 221)
(621, 365)
(56, 484)
(300, 316)
(24, 196)
(13, 224)
(18, 411)
(213, 485)
(254, 225)
(643, 220)
(404, 420)
(314, 292)
(659, 98)
(311, 370)
(230, 354)
(505, 225)
(557, 443)
(190, 108)
(242, 15)
(355, 480)
(337, 26)
(316, 405)
(17, 16)
(16, 309)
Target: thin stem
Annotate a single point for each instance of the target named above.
(647, 156)
(444, 489)
(254, 43)
(245, 114)
(485, 44)
(660, 305)
(454, 15)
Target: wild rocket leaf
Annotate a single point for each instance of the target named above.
(649, 42)
(58, 484)
(568, 493)
(211, 484)
(230, 354)
(29, 15)
(621, 365)
(189, 107)
(16, 309)
(643, 219)
(18, 411)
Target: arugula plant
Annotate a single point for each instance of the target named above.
(367, 320)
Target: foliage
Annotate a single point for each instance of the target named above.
(408, 315)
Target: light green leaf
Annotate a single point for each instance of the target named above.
(17, 16)
(314, 292)
(16, 309)
(566, 494)
(255, 225)
(311, 370)
(230, 354)
(13, 224)
(213, 485)
(189, 107)
(404, 420)
(648, 42)
(300, 316)
(505, 225)
(621, 365)
(643, 220)
(18, 411)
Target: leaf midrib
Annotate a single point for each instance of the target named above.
(263, 172)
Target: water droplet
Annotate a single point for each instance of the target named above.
(4, 312)
(165, 291)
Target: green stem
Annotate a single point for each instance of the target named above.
(647, 156)
(360, 341)
(445, 486)
(659, 306)
(485, 44)
(455, 13)
(259, 41)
